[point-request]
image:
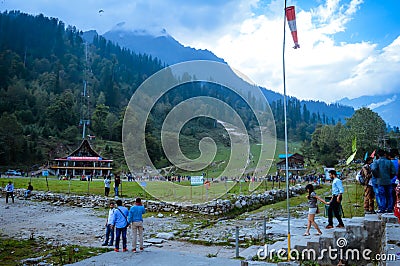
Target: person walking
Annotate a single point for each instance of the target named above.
(107, 185)
(384, 170)
(109, 227)
(135, 217)
(335, 203)
(120, 223)
(10, 191)
(369, 194)
(312, 209)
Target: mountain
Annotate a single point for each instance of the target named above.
(387, 106)
(157, 44)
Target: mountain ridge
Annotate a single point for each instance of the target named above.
(387, 106)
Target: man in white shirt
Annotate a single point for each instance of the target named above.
(107, 184)
(109, 227)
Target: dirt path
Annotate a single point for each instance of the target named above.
(83, 226)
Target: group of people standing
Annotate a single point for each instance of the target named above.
(119, 220)
(107, 185)
(381, 179)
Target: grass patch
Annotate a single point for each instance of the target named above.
(14, 251)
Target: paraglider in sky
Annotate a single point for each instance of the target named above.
(101, 11)
(291, 18)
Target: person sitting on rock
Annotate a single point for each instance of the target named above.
(28, 191)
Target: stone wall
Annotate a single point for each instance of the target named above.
(239, 203)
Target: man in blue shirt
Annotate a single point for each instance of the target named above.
(334, 204)
(385, 171)
(120, 223)
(135, 217)
(10, 191)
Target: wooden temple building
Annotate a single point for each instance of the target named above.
(82, 162)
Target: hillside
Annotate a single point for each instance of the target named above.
(44, 65)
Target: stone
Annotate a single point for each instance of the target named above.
(160, 215)
(155, 240)
(166, 236)
(238, 204)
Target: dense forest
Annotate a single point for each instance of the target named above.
(44, 68)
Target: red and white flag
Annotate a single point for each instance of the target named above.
(291, 18)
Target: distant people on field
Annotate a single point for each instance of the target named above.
(369, 194)
(135, 217)
(109, 241)
(9, 191)
(120, 223)
(335, 203)
(107, 185)
(312, 209)
(28, 191)
(385, 171)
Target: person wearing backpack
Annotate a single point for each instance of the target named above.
(369, 194)
(120, 223)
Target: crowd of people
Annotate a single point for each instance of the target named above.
(119, 220)
(381, 178)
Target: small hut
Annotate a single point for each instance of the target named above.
(295, 163)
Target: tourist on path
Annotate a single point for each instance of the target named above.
(28, 191)
(120, 223)
(335, 203)
(9, 191)
(369, 194)
(107, 185)
(312, 209)
(109, 227)
(385, 171)
(136, 218)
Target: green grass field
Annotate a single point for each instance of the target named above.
(174, 192)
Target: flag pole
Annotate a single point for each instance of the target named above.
(286, 134)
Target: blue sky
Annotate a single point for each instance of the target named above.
(349, 48)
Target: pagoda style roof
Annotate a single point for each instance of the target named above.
(84, 152)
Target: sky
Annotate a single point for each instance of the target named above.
(349, 48)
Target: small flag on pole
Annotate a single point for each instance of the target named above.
(291, 18)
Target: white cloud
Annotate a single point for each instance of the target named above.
(248, 35)
(320, 69)
(379, 104)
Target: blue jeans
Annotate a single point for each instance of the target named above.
(109, 235)
(118, 232)
(116, 191)
(375, 187)
(385, 194)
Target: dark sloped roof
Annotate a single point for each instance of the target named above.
(84, 150)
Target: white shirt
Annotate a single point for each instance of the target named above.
(110, 216)
(107, 182)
